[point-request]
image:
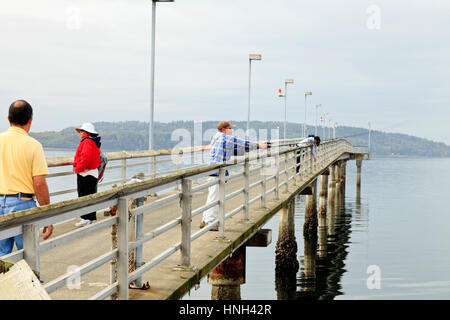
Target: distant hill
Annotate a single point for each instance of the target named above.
(133, 135)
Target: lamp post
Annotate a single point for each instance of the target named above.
(329, 127)
(307, 93)
(325, 114)
(368, 147)
(334, 129)
(250, 58)
(317, 106)
(323, 128)
(152, 77)
(285, 103)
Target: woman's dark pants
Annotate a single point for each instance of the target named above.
(87, 185)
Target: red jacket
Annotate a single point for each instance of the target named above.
(87, 156)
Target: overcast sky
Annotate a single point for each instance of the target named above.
(381, 61)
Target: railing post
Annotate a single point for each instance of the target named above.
(122, 259)
(286, 172)
(186, 209)
(295, 169)
(138, 258)
(124, 170)
(222, 193)
(246, 188)
(31, 246)
(277, 176)
(263, 184)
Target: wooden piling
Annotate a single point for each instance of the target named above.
(286, 248)
(227, 277)
(323, 195)
(331, 200)
(311, 223)
(337, 190)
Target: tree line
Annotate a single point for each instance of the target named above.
(133, 135)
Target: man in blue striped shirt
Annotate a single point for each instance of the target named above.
(223, 146)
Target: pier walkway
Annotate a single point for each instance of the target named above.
(160, 241)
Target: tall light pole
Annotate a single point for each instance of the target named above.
(325, 114)
(317, 106)
(323, 128)
(152, 76)
(285, 102)
(329, 127)
(307, 93)
(334, 129)
(250, 58)
(368, 147)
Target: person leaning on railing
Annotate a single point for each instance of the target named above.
(23, 169)
(312, 141)
(223, 145)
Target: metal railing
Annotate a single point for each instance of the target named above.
(119, 165)
(275, 164)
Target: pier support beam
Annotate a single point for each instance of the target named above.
(323, 195)
(286, 263)
(358, 180)
(286, 248)
(331, 199)
(310, 225)
(337, 190)
(226, 278)
(343, 179)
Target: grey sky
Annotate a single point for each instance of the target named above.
(89, 60)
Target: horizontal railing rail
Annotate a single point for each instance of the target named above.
(119, 163)
(274, 164)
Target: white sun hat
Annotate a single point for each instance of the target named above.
(88, 127)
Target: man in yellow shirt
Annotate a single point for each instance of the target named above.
(23, 169)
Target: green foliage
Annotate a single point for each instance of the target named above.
(133, 135)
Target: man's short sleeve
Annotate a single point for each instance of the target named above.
(39, 167)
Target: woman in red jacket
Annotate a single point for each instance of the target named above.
(85, 164)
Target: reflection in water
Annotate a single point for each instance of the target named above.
(323, 262)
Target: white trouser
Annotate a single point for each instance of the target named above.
(213, 194)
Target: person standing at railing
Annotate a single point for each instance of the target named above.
(85, 164)
(312, 141)
(224, 145)
(23, 170)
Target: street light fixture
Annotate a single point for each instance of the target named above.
(152, 77)
(307, 93)
(317, 106)
(250, 58)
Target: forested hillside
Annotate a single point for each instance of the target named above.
(133, 135)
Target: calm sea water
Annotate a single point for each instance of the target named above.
(400, 230)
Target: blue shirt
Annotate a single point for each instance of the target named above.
(224, 146)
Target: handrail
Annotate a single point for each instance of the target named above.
(284, 158)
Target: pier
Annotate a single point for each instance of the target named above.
(148, 232)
